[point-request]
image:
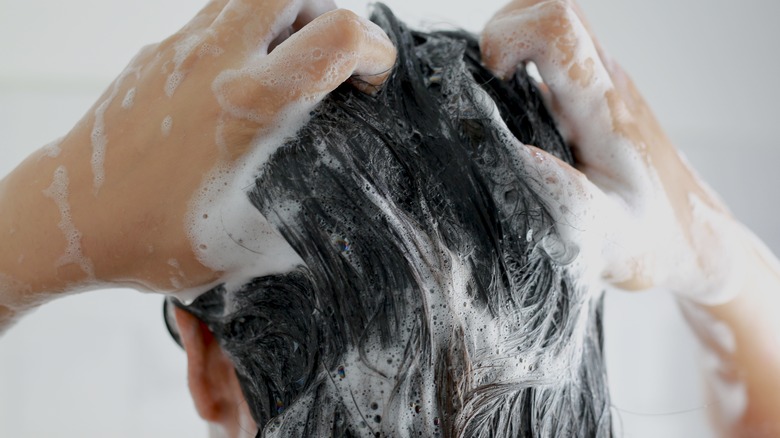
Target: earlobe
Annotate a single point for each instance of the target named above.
(211, 375)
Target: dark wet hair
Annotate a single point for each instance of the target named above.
(430, 303)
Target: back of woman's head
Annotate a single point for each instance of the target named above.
(435, 299)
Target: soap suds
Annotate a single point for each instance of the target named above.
(226, 231)
(99, 136)
(183, 49)
(58, 191)
(177, 275)
(207, 49)
(448, 316)
(722, 271)
(166, 126)
(229, 235)
(129, 99)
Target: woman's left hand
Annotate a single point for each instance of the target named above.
(631, 205)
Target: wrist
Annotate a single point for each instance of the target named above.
(33, 223)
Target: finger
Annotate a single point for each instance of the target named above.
(605, 58)
(586, 103)
(547, 32)
(619, 77)
(310, 64)
(592, 232)
(310, 10)
(189, 45)
(258, 24)
(565, 191)
(518, 6)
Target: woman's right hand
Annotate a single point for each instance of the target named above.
(632, 200)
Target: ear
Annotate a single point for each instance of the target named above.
(212, 378)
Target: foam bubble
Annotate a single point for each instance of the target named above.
(176, 274)
(721, 273)
(229, 235)
(129, 99)
(207, 49)
(226, 232)
(58, 191)
(362, 372)
(166, 126)
(99, 143)
(174, 79)
(182, 49)
(99, 137)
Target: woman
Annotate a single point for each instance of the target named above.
(434, 295)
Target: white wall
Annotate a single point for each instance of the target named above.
(101, 364)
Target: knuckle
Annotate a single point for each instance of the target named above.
(344, 16)
(345, 27)
(561, 10)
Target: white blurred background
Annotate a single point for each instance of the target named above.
(102, 365)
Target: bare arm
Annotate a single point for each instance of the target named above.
(115, 202)
(35, 261)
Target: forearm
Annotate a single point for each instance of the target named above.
(33, 241)
(741, 341)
